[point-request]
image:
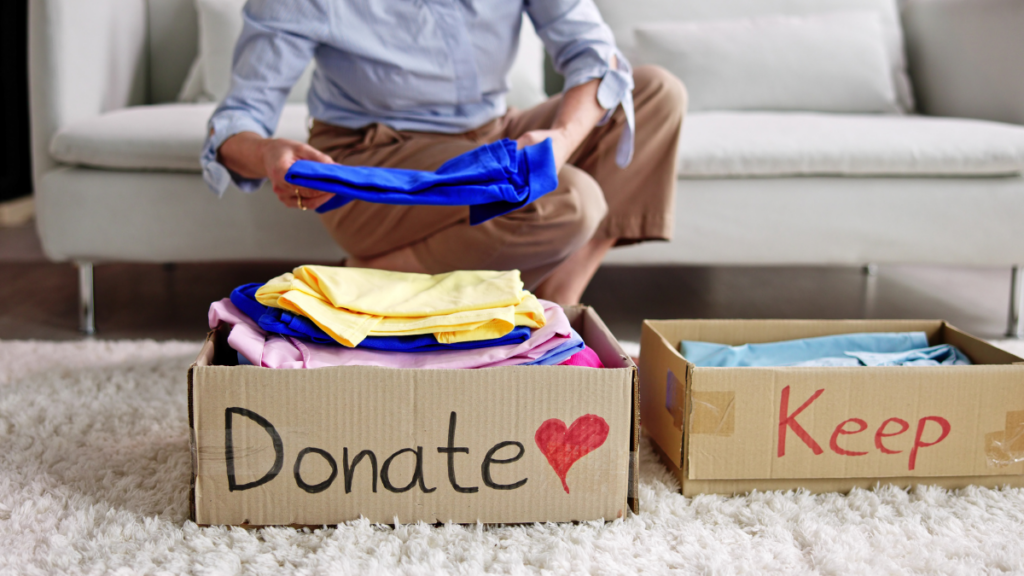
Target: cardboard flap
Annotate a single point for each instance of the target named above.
(205, 358)
(664, 375)
(979, 351)
(737, 332)
(597, 335)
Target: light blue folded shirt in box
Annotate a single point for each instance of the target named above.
(941, 355)
(863, 349)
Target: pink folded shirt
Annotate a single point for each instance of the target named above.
(273, 351)
(585, 358)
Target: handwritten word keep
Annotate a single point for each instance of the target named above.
(888, 428)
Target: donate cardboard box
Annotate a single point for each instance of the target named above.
(733, 430)
(328, 445)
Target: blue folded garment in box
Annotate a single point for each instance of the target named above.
(864, 349)
(492, 180)
(941, 355)
(562, 352)
(286, 323)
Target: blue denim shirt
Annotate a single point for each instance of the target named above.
(431, 66)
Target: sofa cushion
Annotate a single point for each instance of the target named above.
(163, 137)
(220, 25)
(625, 17)
(832, 62)
(754, 144)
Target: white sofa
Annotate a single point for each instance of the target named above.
(117, 176)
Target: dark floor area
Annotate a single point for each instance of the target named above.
(626, 296)
(39, 299)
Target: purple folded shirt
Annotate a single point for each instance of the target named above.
(273, 351)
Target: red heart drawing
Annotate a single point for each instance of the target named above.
(564, 446)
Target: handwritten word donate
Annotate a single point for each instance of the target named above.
(562, 446)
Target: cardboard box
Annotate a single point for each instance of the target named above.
(733, 430)
(324, 446)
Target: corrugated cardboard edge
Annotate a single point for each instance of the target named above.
(978, 349)
(589, 317)
(192, 448)
(691, 488)
(657, 355)
(205, 358)
(687, 419)
(634, 442)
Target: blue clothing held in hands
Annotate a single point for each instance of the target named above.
(439, 67)
(492, 180)
(283, 322)
(864, 349)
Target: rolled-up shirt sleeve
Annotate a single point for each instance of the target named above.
(272, 52)
(581, 46)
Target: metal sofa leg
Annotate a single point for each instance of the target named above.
(870, 294)
(1015, 323)
(86, 299)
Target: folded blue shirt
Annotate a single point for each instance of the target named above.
(560, 353)
(864, 349)
(941, 355)
(286, 323)
(492, 180)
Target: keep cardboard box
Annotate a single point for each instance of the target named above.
(496, 445)
(733, 430)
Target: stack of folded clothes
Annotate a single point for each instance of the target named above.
(317, 316)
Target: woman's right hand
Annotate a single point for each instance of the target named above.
(251, 156)
(278, 156)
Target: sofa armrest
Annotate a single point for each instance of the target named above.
(85, 58)
(966, 57)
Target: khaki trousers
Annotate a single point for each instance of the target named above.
(594, 199)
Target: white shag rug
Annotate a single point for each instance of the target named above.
(94, 471)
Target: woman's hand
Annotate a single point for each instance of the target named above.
(251, 156)
(278, 156)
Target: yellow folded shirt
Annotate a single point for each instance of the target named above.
(385, 293)
(352, 303)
